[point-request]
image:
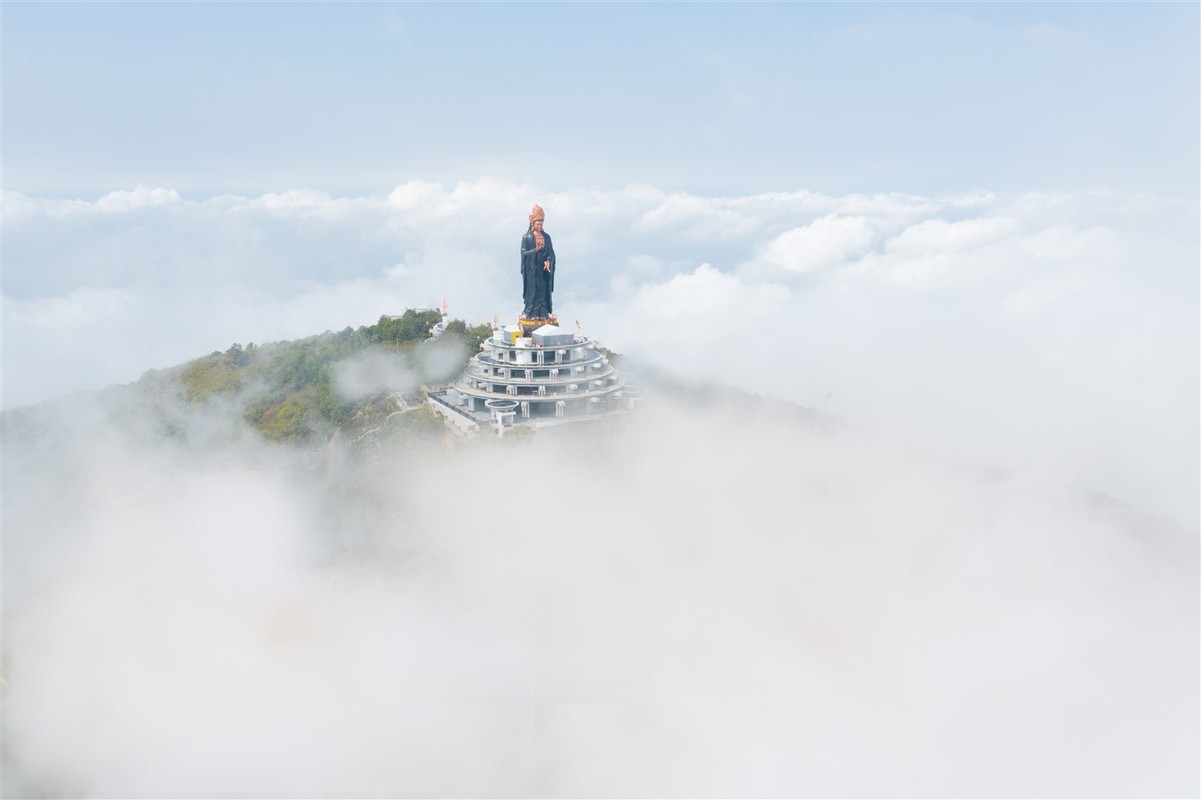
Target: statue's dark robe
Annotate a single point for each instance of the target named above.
(537, 283)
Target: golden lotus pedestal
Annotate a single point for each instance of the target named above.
(530, 324)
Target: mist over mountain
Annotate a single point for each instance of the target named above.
(718, 595)
(1044, 331)
(913, 505)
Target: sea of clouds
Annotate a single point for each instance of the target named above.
(983, 581)
(705, 599)
(1057, 332)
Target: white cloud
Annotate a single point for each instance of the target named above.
(374, 373)
(1065, 242)
(301, 204)
(416, 196)
(704, 299)
(889, 206)
(58, 345)
(724, 601)
(940, 236)
(19, 209)
(696, 218)
(824, 243)
(140, 197)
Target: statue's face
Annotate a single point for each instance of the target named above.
(538, 225)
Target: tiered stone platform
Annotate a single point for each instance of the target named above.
(548, 374)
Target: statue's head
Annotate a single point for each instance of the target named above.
(537, 214)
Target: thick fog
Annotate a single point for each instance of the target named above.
(982, 580)
(706, 598)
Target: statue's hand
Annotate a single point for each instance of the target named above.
(546, 265)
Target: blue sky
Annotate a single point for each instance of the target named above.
(708, 98)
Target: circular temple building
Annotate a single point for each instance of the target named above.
(550, 374)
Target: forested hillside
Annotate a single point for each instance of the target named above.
(311, 389)
(364, 388)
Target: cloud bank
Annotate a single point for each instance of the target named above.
(1051, 331)
(714, 600)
